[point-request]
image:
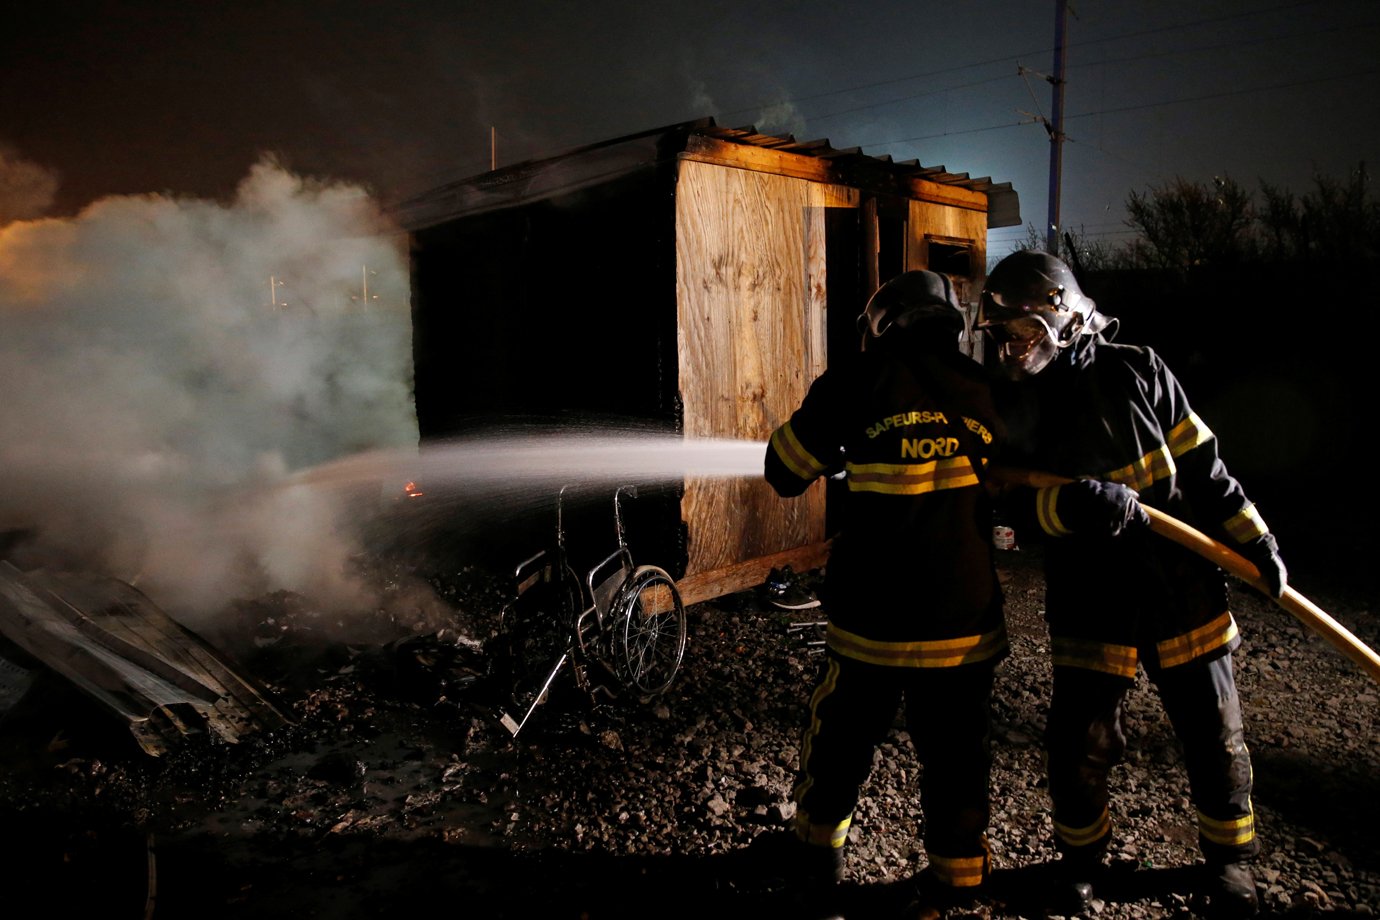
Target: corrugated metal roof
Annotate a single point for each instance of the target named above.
(141, 665)
(595, 163)
(1003, 203)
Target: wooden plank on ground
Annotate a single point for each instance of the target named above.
(730, 579)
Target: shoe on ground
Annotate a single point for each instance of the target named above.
(783, 589)
(1230, 891)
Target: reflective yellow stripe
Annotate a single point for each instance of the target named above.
(960, 872)
(932, 653)
(1045, 501)
(1084, 836)
(797, 459)
(823, 835)
(1197, 643)
(1188, 434)
(807, 740)
(1142, 473)
(1158, 464)
(1246, 525)
(911, 478)
(1231, 833)
(1154, 466)
(1094, 656)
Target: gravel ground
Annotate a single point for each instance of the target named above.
(396, 790)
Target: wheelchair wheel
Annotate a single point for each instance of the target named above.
(649, 631)
(536, 632)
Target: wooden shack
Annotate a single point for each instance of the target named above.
(693, 278)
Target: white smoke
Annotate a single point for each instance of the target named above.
(781, 118)
(167, 364)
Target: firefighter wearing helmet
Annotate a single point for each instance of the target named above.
(1034, 310)
(913, 602)
(1113, 419)
(917, 304)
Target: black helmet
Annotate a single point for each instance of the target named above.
(1033, 308)
(919, 300)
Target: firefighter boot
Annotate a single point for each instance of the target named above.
(933, 897)
(1230, 891)
(801, 878)
(782, 859)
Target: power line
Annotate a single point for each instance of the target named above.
(1293, 36)
(929, 137)
(931, 92)
(1132, 108)
(1207, 21)
(976, 83)
(1226, 93)
(1216, 20)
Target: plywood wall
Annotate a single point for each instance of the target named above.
(750, 280)
(930, 219)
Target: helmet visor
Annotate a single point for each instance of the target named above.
(1025, 344)
(1026, 328)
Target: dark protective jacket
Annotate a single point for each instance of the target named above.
(1116, 412)
(910, 580)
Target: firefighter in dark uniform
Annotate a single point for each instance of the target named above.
(913, 601)
(1114, 419)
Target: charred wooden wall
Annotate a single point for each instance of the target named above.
(562, 308)
(559, 315)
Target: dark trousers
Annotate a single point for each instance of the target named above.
(948, 715)
(1086, 739)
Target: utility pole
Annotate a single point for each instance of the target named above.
(1056, 127)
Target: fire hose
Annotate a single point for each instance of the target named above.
(1225, 558)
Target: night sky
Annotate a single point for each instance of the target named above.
(151, 97)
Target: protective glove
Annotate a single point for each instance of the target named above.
(1263, 553)
(1096, 508)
